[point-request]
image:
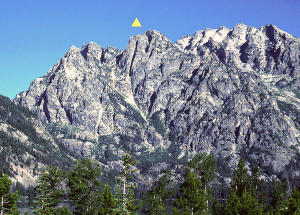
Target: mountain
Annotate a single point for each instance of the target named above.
(230, 92)
(26, 146)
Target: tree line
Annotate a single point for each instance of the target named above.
(88, 195)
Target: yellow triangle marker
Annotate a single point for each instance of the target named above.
(136, 23)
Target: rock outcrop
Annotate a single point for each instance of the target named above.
(230, 92)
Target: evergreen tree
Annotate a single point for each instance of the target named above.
(217, 207)
(84, 187)
(57, 177)
(192, 199)
(293, 203)
(279, 196)
(7, 199)
(156, 197)
(257, 187)
(241, 180)
(125, 201)
(43, 197)
(108, 202)
(63, 211)
(205, 167)
(49, 191)
(241, 199)
(246, 204)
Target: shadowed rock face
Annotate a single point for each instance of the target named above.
(230, 92)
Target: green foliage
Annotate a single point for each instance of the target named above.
(108, 205)
(241, 180)
(247, 193)
(25, 193)
(217, 207)
(110, 155)
(108, 177)
(242, 199)
(63, 211)
(205, 167)
(159, 154)
(16, 110)
(257, 188)
(20, 118)
(7, 199)
(130, 112)
(44, 198)
(246, 204)
(42, 152)
(192, 199)
(84, 187)
(125, 201)
(223, 167)
(293, 203)
(279, 196)
(158, 123)
(49, 191)
(59, 128)
(156, 197)
(105, 155)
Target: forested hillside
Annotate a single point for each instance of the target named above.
(196, 193)
(25, 144)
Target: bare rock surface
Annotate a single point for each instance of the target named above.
(230, 92)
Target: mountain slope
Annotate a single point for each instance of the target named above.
(230, 92)
(25, 144)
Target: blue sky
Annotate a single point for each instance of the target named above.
(35, 34)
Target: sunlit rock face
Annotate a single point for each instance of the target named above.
(230, 92)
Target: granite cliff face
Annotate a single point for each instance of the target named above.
(230, 92)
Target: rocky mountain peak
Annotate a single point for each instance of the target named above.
(155, 36)
(239, 32)
(151, 38)
(232, 92)
(93, 52)
(240, 26)
(91, 46)
(73, 49)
